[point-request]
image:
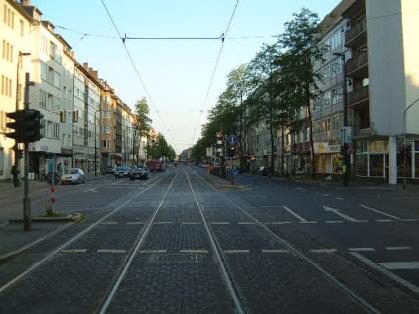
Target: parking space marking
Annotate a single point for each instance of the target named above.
(384, 220)
(74, 251)
(194, 251)
(281, 222)
(398, 248)
(91, 190)
(111, 251)
(152, 251)
(361, 249)
(400, 265)
(294, 213)
(333, 221)
(338, 213)
(163, 222)
(386, 272)
(408, 220)
(245, 223)
(135, 223)
(307, 222)
(191, 223)
(109, 223)
(219, 223)
(275, 251)
(379, 212)
(235, 251)
(323, 251)
(339, 198)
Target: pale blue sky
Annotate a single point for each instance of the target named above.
(176, 73)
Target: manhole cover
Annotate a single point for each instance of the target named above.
(174, 258)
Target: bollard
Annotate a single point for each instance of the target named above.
(51, 203)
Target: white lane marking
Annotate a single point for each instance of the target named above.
(384, 220)
(219, 223)
(4, 224)
(111, 251)
(400, 265)
(135, 223)
(360, 221)
(293, 213)
(407, 220)
(194, 251)
(163, 222)
(245, 223)
(389, 274)
(74, 251)
(339, 198)
(109, 223)
(323, 251)
(275, 251)
(235, 251)
(337, 212)
(334, 221)
(152, 251)
(91, 190)
(379, 212)
(280, 222)
(191, 223)
(308, 222)
(398, 248)
(326, 195)
(361, 249)
(301, 189)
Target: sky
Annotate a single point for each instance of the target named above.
(176, 73)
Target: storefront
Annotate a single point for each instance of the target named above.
(327, 158)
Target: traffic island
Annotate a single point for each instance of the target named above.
(56, 217)
(222, 184)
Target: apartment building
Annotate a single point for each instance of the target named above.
(15, 25)
(384, 78)
(328, 104)
(86, 128)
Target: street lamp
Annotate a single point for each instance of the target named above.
(98, 110)
(346, 170)
(404, 141)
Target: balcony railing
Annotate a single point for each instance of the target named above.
(357, 29)
(357, 62)
(358, 96)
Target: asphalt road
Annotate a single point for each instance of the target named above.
(177, 243)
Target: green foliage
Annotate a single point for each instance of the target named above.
(142, 112)
(160, 149)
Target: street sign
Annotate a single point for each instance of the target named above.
(232, 139)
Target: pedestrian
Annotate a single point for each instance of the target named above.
(15, 173)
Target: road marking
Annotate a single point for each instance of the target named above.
(302, 189)
(194, 251)
(384, 220)
(135, 223)
(111, 251)
(398, 248)
(379, 212)
(220, 223)
(163, 222)
(361, 249)
(337, 212)
(400, 265)
(323, 251)
(307, 222)
(91, 190)
(334, 221)
(339, 198)
(152, 251)
(407, 220)
(4, 224)
(389, 274)
(235, 251)
(280, 222)
(361, 221)
(245, 223)
(74, 251)
(109, 223)
(191, 223)
(275, 251)
(326, 195)
(293, 213)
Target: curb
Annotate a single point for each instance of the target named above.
(67, 218)
(228, 186)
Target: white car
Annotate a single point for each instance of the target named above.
(75, 175)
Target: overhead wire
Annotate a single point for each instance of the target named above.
(217, 61)
(134, 66)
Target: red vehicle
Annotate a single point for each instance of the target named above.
(156, 166)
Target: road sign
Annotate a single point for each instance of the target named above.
(232, 139)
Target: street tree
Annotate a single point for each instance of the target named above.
(143, 121)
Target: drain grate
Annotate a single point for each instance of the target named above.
(174, 258)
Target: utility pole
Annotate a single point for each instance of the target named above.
(404, 142)
(98, 110)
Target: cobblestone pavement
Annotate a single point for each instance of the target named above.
(177, 244)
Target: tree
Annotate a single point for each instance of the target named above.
(143, 121)
(160, 149)
(302, 47)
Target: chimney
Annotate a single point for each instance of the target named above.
(95, 75)
(90, 70)
(85, 65)
(26, 2)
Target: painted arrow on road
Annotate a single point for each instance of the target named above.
(337, 212)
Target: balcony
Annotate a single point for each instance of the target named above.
(357, 67)
(357, 36)
(358, 97)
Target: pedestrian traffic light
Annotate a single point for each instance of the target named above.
(27, 125)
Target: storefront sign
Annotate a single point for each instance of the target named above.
(325, 148)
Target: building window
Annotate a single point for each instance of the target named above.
(42, 99)
(44, 71)
(22, 28)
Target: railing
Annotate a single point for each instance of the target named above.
(357, 61)
(357, 29)
(358, 96)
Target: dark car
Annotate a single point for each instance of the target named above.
(110, 170)
(139, 173)
(122, 172)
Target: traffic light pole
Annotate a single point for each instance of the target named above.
(26, 198)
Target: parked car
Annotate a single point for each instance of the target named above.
(110, 170)
(156, 166)
(122, 172)
(139, 173)
(75, 175)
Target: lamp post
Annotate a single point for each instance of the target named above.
(346, 159)
(404, 142)
(98, 110)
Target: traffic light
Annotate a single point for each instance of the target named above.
(19, 154)
(27, 125)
